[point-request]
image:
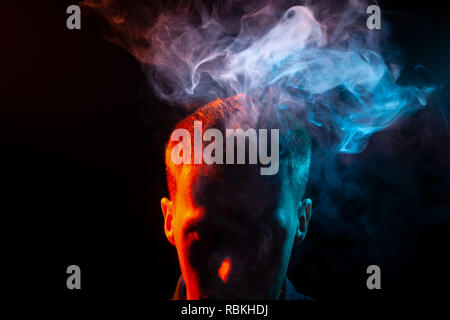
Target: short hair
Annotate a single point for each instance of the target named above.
(241, 111)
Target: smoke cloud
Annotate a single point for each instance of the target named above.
(331, 71)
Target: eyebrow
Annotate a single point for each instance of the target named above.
(192, 224)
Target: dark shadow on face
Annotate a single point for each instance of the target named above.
(239, 243)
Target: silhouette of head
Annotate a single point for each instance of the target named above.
(234, 228)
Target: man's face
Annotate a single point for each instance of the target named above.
(234, 231)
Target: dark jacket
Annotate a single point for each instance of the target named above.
(288, 291)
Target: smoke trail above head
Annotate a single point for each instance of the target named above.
(330, 71)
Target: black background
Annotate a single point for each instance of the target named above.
(82, 171)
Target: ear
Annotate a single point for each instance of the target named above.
(167, 209)
(304, 215)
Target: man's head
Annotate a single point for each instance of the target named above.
(233, 228)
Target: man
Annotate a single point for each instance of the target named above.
(234, 228)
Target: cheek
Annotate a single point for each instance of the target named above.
(177, 229)
(284, 233)
(193, 252)
(284, 226)
(192, 261)
(183, 241)
(198, 252)
(184, 211)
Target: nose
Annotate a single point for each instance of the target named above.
(224, 269)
